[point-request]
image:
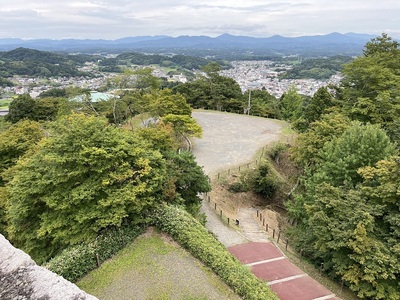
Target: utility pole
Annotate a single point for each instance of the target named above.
(248, 104)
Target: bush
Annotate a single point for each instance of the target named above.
(263, 180)
(75, 262)
(190, 234)
(276, 149)
(238, 187)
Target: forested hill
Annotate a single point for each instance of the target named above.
(318, 68)
(183, 61)
(23, 61)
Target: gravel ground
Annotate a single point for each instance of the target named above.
(230, 140)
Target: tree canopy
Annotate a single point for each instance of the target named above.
(84, 177)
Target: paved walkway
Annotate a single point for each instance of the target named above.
(229, 140)
(268, 263)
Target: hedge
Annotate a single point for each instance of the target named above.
(193, 236)
(75, 262)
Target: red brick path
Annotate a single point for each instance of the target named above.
(267, 262)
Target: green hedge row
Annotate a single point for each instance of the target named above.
(193, 236)
(75, 262)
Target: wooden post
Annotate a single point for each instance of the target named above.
(228, 221)
(266, 227)
(257, 213)
(279, 236)
(220, 213)
(263, 222)
(239, 168)
(215, 206)
(97, 260)
(260, 216)
(209, 198)
(287, 243)
(273, 233)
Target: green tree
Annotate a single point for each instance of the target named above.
(160, 136)
(84, 177)
(308, 145)
(358, 146)
(349, 210)
(351, 239)
(184, 126)
(291, 105)
(381, 44)
(22, 107)
(187, 178)
(371, 86)
(318, 105)
(48, 109)
(212, 91)
(16, 141)
(164, 102)
(141, 79)
(262, 104)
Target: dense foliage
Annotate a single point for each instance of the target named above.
(190, 234)
(76, 261)
(22, 61)
(182, 61)
(86, 176)
(16, 140)
(348, 208)
(370, 91)
(317, 68)
(24, 107)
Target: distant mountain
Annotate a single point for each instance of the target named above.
(330, 44)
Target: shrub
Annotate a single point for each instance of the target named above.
(276, 149)
(190, 234)
(75, 262)
(238, 187)
(263, 180)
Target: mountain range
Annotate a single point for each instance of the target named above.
(330, 44)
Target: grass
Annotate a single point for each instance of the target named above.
(4, 103)
(137, 121)
(154, 267)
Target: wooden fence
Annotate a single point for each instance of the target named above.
(276, 234)
(238, 169)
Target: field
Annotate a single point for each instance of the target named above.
(154, 267)
(4, 103)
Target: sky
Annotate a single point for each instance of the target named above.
(113, 19)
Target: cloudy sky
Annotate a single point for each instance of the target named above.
(113, 19)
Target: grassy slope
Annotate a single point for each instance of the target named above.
(153, 267)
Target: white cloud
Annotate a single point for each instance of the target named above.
(119, 18)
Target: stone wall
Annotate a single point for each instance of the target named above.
(21, 278)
